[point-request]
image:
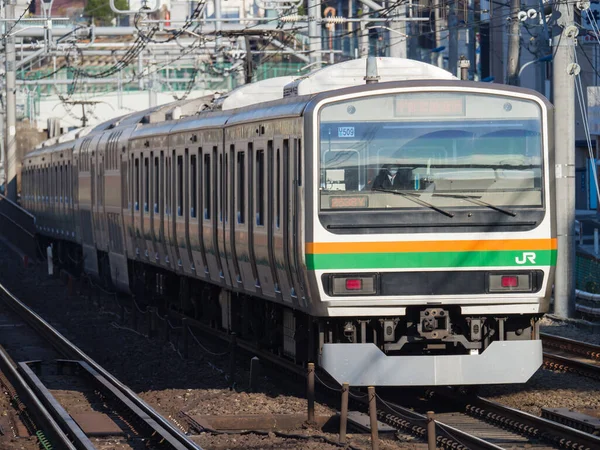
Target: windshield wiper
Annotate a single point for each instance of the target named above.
(414, 198)
(477, 201)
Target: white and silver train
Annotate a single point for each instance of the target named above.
(397, 228)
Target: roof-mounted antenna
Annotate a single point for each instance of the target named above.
(372, 76)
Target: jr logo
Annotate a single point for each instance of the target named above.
(527, 256)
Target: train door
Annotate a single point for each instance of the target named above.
(195, 221)
(170, 209)
(281, 219)
(221, 179)
(160, 208)
(137, 202)
(178, 235)
(272, 217)
(146, 212)
(230, 207)
(241, 220)
(184, 261)
(153, 205)
(102, 241)
(261, 219)
(209, 194)
(294, 167)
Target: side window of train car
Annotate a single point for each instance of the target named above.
(260, 188)
(146, 184)
(157, 184)
(137, 184)
(124, 184)
(221, 190)
(240, 197)
(225, 188)
(168, 187)
(180, 185)
(277, 189)
(207, 190)
(193, 186)
(56, 185)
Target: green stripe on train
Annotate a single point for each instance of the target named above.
(340, 261)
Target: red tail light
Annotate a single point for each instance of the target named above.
(510, 281)
(353, 284)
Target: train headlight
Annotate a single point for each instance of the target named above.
(356, 284)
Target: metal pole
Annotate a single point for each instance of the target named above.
(564, 72)
(314, 32)
(438, 32)
(344, 412)
(514, 44)
(310, 392)
(373, 417)
(398, 43)
(431, 437)
(364, 35)
(11, 160)
(497, 26)
(218, 23)
(471, 37)
(453, 39)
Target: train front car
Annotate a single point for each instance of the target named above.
(431, 245)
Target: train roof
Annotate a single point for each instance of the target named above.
(250, 94)
(354, 73)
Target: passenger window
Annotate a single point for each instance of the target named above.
(240, 197)
(277, 189)
(156, 184)
(137, 184)
(260, 187)
(180, 185)
(222, 188)
(124, 185)
(207, 190)
(193, 186)
(146, 184)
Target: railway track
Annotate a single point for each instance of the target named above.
(476, 424)
(510, 427)
(78, 403)
(569, 355)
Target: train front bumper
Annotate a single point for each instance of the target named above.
(366, 365)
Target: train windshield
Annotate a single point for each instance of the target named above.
(448, 150)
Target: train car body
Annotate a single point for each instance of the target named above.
(399, 233)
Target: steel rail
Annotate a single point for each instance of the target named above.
(563, 363)
(524, 423)
(545, 429)
(591, 351)
(163, 428)
(43, 417)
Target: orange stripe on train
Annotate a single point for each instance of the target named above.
(429, 246)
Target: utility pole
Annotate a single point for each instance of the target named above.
(514, 44)
(564, 72)
(398, 35)
(471, 39)
(248, 62)
(314, 32)
(452, 39)
(364, 34)
(497, 26)
(438, 32)
(11, 159)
